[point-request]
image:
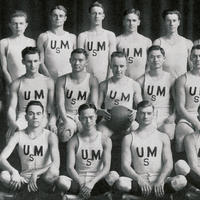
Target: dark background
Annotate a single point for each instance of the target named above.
(78, 21)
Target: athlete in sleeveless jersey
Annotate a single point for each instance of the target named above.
(88, 158)
(98, 42)
(157, 87)
(175, 46)
(38, 153)
(147, 158)
(74, 89)
(133, 44)
(11, 47)
(117, 90)
(30, 86)
(56, 45)
(187, 100)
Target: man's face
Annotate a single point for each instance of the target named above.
(58, 17)
(195, 58)
(155, 59)
(96, 15)
(32, 63)
(131, 22)
(18, 25)
(88, 118)
(78, 62)
(172, 22)
(34, 116)
(118, 66)
(145, 115)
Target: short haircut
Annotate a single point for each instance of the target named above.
(30, 50)
(86, 106)
(59, 7)
(131, 11)
(144, 104)
(80, 51)
(118, 54)
(169, 12)
(195, 47)
(155, 48)
(96, 4)
(19, 13)
(34, 103)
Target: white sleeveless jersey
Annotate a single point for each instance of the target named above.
(192, 92)
(33, 153)
(121, 93)
(97, 47)
(89, 155)
(176, 56)
(197, 145)
(147, 153)
(136, 52)
(57, 54)
(14, 56)
(32, 89)
(76, 94)
(157, 90)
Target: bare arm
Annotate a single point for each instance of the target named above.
(191, 153)
(81, 40)
(189, 47)
(3, 59)
(94, 88)
(73, 39)
(138, 94)
(40, 45)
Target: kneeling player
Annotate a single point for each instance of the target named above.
(88, 158)
(38, 152)
(147, 158)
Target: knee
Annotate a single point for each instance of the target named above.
(181, 167)
(178, 182)
(5, 177)
(51, 175)
(63, 183)
(124, 184)
(112, 177)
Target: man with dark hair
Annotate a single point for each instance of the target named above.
(38, 153)
(88, 159)
(146, 158)
(98, 42)
(127, 92)
(31, 86)
(72, 90)
(175, 46)
(133, 44)
(158, 87)
(188, 100)
(56, 45)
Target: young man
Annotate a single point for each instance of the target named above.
(11, 47)
(56, 45)
(133, 44)
(38, 153)
(30, 86)
(146, 158)
(117, 90)
(88, 158)
(188, 100)
(175, 46)
(72, 90)
(157, 86)
(98, 42)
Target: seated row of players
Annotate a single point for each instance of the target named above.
(56, 45)
(146, 158)
(79, 87)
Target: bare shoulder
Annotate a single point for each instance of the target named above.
(102, 85)
(110, 34)
(106, 141)
(83, 34)
(52, 136)
(189, 138)
(140, 80)
(180, 81)
(163, 137)
(4, 42)
(72, 36)
(157, 41)
(43, 36)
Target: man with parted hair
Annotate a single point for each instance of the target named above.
(133, 44)
(38, 152)
(175, 46)
(146, 159)
(98, 42)
(56, 45)
(31, 86)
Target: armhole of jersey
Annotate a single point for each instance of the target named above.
(20, 82)
(6, 48)
(185, 79)
(46, 41)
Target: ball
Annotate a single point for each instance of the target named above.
(119, 118)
